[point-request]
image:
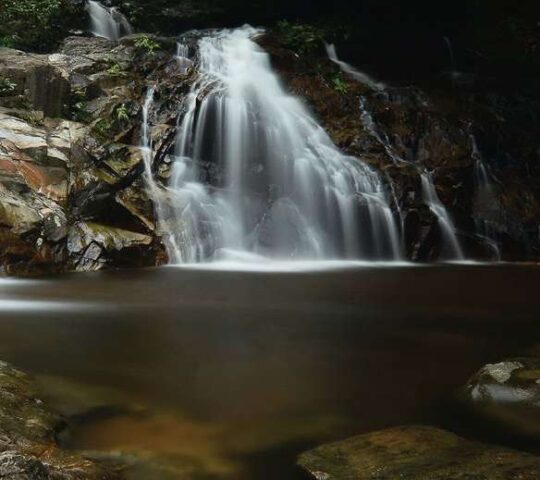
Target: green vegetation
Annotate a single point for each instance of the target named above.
(116, 70)
(103, 128)
(31, 117)
(301, 38)
(121, 113)
(147, 45)
(6, 87)
(34, 24)
(340, 85)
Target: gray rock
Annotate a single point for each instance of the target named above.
(508, 394)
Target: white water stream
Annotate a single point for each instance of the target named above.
(255, 176)
(446, 225)
(107, 22)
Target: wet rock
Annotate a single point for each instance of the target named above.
(414, 453)
(28, 432)
(508, 394)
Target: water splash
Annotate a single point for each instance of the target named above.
(451, 247)
(107, 22)
(353, 72)
(254, 173)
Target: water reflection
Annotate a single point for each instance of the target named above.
(239, 371)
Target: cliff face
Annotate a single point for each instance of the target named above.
(72, 188)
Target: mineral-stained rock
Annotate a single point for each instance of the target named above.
(508, 394)
(417, 453)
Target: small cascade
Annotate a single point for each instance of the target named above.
(369, 125)
(107, 22)
(486, 204)
(451, 247)
(353, 72)
(255, 176)
(183, 57)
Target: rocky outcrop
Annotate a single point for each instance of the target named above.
(507, 394)
(70, 161)
(28, 433)
(414, 453)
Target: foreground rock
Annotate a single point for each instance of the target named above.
(28, 432)
(508, 394)
(417, 453)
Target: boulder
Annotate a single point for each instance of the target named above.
(507, 393)
(417, 453)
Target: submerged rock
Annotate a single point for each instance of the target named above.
(28, 432)
(417, 453)
(508, 393)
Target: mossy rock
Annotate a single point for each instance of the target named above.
(417, 453)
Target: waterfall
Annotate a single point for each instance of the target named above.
(486, 204)
(448, 230)
(254, 174)
(107, 22)
(183, 57)
(353, 72)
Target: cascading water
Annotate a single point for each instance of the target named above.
(486, 204)
(107, 22)
(451, 247)
(255, 174)
(353, 72)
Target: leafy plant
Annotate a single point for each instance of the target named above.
(6, 86)
(80, 112)
(116, 70)
(122, 114)
(339, 84)
(35, 24)
(147, 45)
(7, 41)
(33, 118)
(302, 38)
(103, 128)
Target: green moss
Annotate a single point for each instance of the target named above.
(35, 24)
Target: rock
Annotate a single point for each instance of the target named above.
(508, 394)
(417, 453)
(36, 81)
(89, 243)
(28, 432)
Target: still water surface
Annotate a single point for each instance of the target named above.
(238, 372)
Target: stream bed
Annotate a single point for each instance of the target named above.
(234, 373)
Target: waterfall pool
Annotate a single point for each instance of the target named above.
(236, 372)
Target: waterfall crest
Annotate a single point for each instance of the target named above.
(254, 173)
(107, 22)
